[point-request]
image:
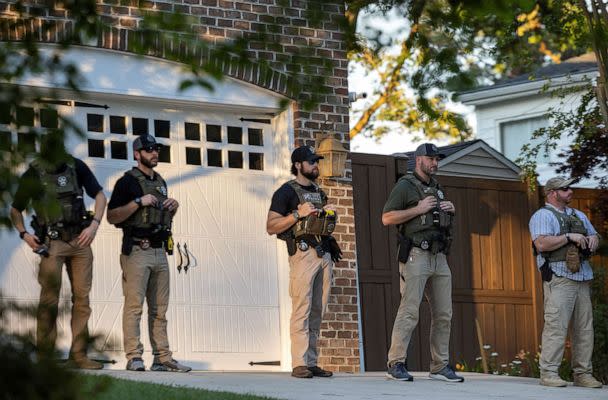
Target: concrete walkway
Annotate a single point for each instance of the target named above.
(371, 385)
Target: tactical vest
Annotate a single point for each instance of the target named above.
(152, 218)
(319, 224)
(61, 204)
(433, 225)
(567, 224)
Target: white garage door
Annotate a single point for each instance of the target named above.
(224, 312)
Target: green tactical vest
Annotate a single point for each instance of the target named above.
(567, 224)
(422, 228)
(61, 203)
(316, 225)
(150, 217)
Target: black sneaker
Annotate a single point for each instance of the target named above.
(317, 371)
(170, 366)
(447, 374)
(136, 364)
(398, 372)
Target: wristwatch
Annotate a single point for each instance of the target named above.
(568, 238)
(138, 201)
(296, 215)
(22, 234)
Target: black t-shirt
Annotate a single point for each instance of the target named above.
(126, 189)
(285, 199)
(30, 186)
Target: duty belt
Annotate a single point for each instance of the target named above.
(146, 243)
(428, 245)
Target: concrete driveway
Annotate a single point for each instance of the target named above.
(370, 385)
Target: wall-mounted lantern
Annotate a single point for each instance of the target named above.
(335, 156)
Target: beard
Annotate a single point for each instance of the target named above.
(312, 174)
(148, 162)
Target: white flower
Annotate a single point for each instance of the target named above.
(503, 365)
(516, 362)
(477, 358)
(494, 354)
(487, 347)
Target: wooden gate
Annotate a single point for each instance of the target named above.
(493, 273)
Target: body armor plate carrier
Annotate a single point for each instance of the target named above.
(322, 223)
(150, 218)
(567, 224)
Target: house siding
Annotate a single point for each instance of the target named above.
(217, 21)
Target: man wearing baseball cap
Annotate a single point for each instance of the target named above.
(140, 205)
(299, 215)
(563, 240)
(423, 215)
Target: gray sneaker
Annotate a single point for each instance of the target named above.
(170, 366)
(447, 374)
(136, 364)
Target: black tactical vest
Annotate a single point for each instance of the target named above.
(150, 218)
(61, 204)
(568, 223)
(320, 224)
(427, 227)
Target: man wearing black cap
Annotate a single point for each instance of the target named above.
(417, 205)
(300, 215)
(140, 205)
(564, 239)
(63, 234)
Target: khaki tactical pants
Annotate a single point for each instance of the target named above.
(79, 266)
(421, 267)
(309, 285)
(567, 300)
(145, 274)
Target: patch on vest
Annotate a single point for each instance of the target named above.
(440, 194)
(312, 197)
(62, 181)
(162, 190)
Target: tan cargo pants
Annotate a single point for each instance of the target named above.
(567, 300)
(79, 266)
(421, 267)
(309, 285)
(145, 274)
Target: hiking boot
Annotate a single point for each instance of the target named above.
(301, 372)
(136, 364)
(398, 372)
(553, 381)
(169, 366)
(83, 363)
(447, 374)
(316, 371)
(587, 380)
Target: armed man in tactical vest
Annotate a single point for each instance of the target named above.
(563, 240)
(299, 215)
(423, 215)
(140, 205)
(63, 231)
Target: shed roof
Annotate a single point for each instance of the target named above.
(475, 159)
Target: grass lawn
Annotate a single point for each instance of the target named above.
(106, 388)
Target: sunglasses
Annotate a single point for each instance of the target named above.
(151, 149)
(565, 189)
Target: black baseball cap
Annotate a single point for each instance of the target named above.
(305, 153)
(429, 150)
(145, 142)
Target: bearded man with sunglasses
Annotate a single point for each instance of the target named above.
(299, 215)
(141, 207)
(563, 239)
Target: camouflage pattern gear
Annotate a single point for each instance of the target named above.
(569, 252)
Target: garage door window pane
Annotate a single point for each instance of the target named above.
(235, 135)
(164, 154)
(94, 123)
(49, 118)
(5, 141)
(235, 159)
(5, 113)
(26, 142)
(255, 137)
(96, 148)
(256, 161)
(214, 158)
(214, 133)
(162, 128)
(118, 124)
(119, 150)
(193, 131)
(25, 116)
(193, 156)
(140, 126)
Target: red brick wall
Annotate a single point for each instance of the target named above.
(217, 21)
